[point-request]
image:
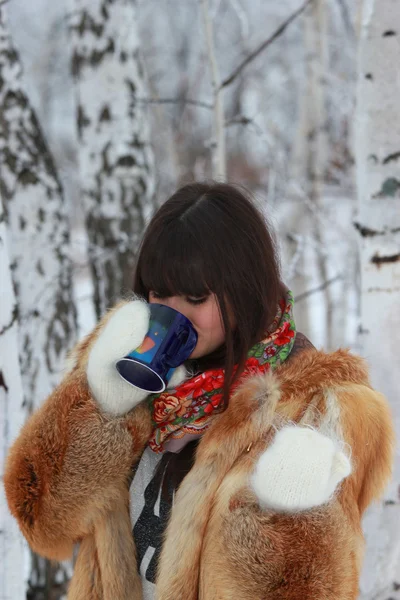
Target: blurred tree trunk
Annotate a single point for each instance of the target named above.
(308, 170)
(378, 179)
(218, 145)
(317, 64)
(13, 551)
(316, 40)
(115, 155)
(38, 245)
(296, 222)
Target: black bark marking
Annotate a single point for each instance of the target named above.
(362, 331)
(104, 12)
(39, 267)
(131, 86)
(369, 76)
(390, 187)
(93, 59)
(126, 161)
(368, 232)
(14, 318)
(106, 166)
(27, 177)
(391, 157)
(105, 114)
(88, 24)
(380, 260)
(3, 382)
(97, 56)
(76, 64)
(62, 326)
(389, 33)
(82, 120)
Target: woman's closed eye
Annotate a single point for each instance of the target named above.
(194, 300)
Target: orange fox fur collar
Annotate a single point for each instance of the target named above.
(67, 473)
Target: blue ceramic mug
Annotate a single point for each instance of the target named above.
(170, 340)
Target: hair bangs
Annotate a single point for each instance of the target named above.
(175, 265)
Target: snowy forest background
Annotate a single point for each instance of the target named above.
(107, 106)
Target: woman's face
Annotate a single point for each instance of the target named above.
(204, 315)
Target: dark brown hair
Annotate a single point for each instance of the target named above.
(210, 237)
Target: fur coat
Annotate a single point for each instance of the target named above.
(67, 478)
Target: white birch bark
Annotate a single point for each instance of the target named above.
(116, 159)
(39, 233)
(317, 64)
(218, 143)
(378, 180)
(317, 140)
(13, 549)
(299, 253)
(308, 167)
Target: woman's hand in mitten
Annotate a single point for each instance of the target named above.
(124, 331)
(299, 470)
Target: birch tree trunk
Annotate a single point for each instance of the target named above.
(309, 156)
(13, 549)
(218, 142)
(378, 179)
(116, 159)
(317, 141)
(40, 265)
(39, 233)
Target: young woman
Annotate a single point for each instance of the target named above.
(249, 476)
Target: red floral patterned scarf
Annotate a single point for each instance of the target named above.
(189, 408)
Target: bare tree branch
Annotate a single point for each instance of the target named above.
(239, 120)
(319, 288)
(264, 45)
(300, 241)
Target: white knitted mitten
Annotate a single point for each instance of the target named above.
(125, 331)
(299, 470)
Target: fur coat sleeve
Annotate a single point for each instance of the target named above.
(70, 464)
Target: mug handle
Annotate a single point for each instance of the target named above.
(185, 351)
